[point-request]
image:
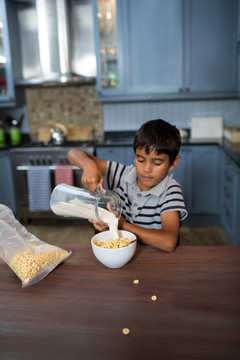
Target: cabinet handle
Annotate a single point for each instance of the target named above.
(226, 193)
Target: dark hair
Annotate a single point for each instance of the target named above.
(160, 136)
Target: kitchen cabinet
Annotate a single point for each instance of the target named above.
(7, 92)
(198, 175)
(230, 195)
(7, 193)
(236, 220)
(165, 49)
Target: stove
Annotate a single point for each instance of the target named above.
(41, 154)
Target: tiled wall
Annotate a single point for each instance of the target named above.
(70, 105)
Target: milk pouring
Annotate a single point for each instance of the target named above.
(70, 201)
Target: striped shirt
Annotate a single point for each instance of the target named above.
(144, 208)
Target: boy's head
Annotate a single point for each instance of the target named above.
(159, 136)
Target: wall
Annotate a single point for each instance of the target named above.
(70, 105)
(130, 116)
(78, 105)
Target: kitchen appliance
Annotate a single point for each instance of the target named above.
(46, 154)
(55, 40)
(207, 127)
(58, 134)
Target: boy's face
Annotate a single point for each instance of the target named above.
(152, 168)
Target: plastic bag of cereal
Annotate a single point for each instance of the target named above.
(30, 258)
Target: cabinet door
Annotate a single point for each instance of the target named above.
(236, 208)
(7, 193)
(197, 173)
(153, 45)
(211, 38)
(182, 173)
(6, 81)
(205, 177)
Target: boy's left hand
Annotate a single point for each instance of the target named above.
(98, 225)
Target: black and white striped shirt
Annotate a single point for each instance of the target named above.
(144, 208)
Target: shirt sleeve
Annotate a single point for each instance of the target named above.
(115, 172)
(174, 201)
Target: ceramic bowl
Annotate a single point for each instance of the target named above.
(114, 258)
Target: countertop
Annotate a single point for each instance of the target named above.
(79, 310)
(125, 138)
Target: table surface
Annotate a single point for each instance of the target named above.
(79, 310)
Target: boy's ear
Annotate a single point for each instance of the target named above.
(176, 161)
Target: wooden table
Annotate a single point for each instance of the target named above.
(79, 310)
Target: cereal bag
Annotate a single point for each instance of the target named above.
(30, 258)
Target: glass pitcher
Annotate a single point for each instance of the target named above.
(70, 201)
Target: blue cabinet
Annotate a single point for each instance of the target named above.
(211, 39)
(7, 93)
(236, 219)
(230, 195)
(162, 49)
(198, 174)
(7, 193)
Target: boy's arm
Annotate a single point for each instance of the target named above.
(165, 239)
(93, 167)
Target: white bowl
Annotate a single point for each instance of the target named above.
(114, 258)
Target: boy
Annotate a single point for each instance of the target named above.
(152, 201)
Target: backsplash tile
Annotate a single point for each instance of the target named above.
(70, 105)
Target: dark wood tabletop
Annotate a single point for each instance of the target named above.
(79, 310)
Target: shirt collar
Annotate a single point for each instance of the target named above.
(157, 190)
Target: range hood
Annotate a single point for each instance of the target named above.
(57, 42)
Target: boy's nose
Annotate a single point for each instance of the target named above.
(147, 167)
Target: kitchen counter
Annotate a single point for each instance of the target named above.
(125, 138)
(79, 310)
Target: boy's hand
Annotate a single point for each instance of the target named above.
(98, 225)
(91, 178)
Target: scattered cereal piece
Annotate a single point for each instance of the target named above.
(136, 281)
(154, 297)
(15, 228)
(125, 331)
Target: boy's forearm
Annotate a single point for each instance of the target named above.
(93, 168)
(79, 158)
(160, 239)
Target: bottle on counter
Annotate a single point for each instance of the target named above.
(2, 135)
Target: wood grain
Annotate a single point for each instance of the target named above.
(79, 310)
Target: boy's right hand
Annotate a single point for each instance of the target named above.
(91, 178)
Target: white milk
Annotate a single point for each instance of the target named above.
(77, 208)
